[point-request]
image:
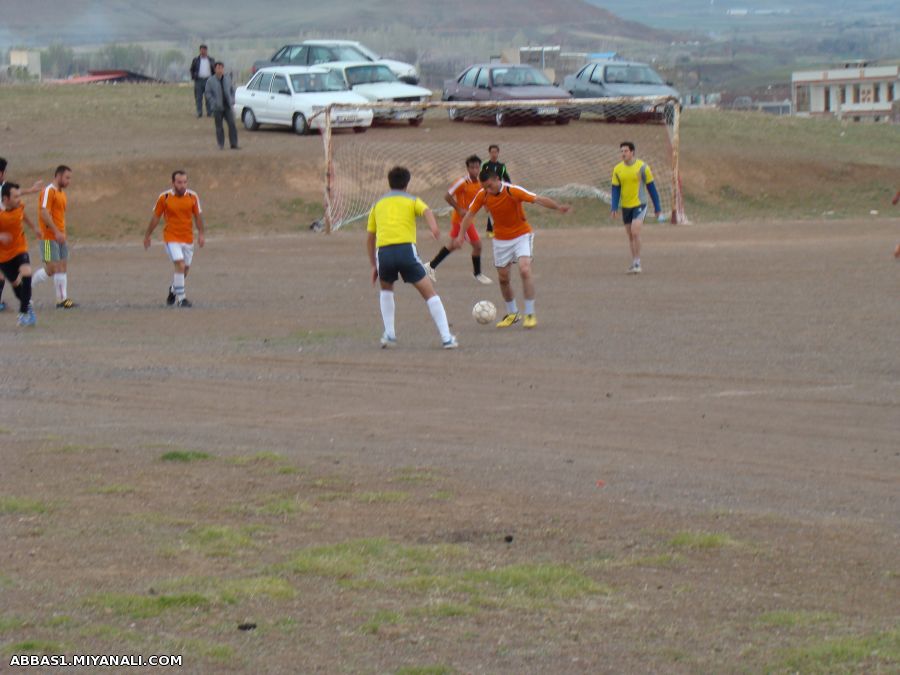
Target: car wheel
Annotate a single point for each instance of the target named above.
(359, 130)
(416, 121)
(563, 120)
(301, 126)
(249, 120)
(454, 114)
(500, 118)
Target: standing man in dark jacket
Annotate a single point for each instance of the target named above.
(201, 71)
(220, 100)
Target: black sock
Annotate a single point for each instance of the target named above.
(476, 264)
(24, 294)
(443, 253)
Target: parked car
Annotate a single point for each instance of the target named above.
(506, 82)
(616, 79)
(292, 95)
(376, 83)
(314, 52)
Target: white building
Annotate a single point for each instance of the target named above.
(29, 61)
(856, 92)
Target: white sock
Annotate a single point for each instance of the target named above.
(60, 280)
(511, 307)
(529, 306)
(637, 261)
(178, 287)
(436, 307)
(38, 277)
(387, 312)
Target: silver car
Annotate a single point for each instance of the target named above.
(611, 78)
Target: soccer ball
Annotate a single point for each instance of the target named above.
(484, 311)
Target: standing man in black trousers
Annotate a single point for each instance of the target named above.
(220, 100)
(201, 71)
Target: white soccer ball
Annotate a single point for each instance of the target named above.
(484, 311)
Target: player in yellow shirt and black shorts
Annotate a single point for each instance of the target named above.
(391, 244)
(181, 208)
(632, 180)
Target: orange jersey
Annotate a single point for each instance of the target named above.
(12, 223)
(54, 200)
(463, 191)
(506, 210)
(179, 213)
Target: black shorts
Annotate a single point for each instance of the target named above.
(632, 214)
(10, 268)
(400, 260)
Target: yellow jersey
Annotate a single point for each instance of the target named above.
(633, 181)
(393, 218)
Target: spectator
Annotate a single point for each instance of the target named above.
(201, 71)
(220, 100)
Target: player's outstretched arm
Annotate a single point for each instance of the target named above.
(548, 203)
(37, 187)
(154, 221)
(432, 224)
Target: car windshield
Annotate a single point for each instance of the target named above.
(348, 53)
(519, 77)
(632, 75)
(369, 75)
(305, 83)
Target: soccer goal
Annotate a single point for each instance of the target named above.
(564, 149)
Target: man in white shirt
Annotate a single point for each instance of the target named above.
(201, 71)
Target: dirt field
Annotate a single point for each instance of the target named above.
(691, 471)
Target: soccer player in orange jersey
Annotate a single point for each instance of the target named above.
(37, 187)
(513, 238)
(54, 240)
(15, 264)
(181, 209)
(459, 196)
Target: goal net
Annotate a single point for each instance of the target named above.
(564, 150)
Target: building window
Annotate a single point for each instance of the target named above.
(876, 93)
(843, 89)
(856, 93)
(827, 97)
(890, 92)
(802, 95)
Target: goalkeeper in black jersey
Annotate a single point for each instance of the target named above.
(494, 164)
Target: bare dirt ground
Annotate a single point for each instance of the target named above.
(695, 470)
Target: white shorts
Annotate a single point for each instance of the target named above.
(507, 251)
(178, 252)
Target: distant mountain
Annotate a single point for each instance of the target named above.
(81, 22)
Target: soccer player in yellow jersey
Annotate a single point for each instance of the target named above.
(181, 209)
(631, 181)
(54, 239)
(391, 244)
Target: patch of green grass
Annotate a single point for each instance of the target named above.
(379, 620)
(185, 456)
(108, 633)
(661, 560)
(369, 556)
(444, 610)
(282, 506)
(701, 541)
(533, 582)
(387, 497)
(257, 458)
(413, 475)
(19, 506)
(11, 623)
(73, 448)
(220, 540)
(114, 490)
(443, 495)
(213, 651)
(35, 647)
(852, 654)
(4, 431)
(273, 588)
(147, 606)
(61, 621)
(287, 470)
(790, 619)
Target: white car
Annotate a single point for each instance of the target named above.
(377, 83)
(314, 52)
(293, 95)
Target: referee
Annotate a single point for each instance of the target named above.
(494, 165)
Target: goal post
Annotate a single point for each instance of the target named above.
(562, 149)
